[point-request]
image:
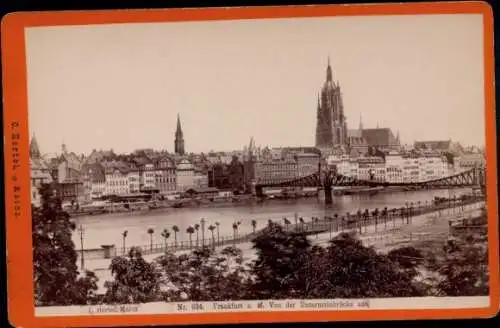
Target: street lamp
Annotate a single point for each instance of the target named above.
(81, 230)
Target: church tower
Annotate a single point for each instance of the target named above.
(331, 128)
(179, 138)
(34, 149)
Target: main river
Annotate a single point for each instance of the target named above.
(107, 229)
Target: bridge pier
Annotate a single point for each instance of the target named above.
(328, 194)
(259, 191)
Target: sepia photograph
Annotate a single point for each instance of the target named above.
(291, 164)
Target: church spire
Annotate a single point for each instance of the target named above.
(179, 138)
(360, 122)
(178, 132)
(329, 71)
(34, 149)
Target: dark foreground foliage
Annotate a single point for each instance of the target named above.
(56, 278)
(286, 266)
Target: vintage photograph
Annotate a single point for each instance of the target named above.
(319, 160)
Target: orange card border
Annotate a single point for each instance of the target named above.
(20, 288)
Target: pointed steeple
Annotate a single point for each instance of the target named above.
(179, 138)
(34, 149)
(398, 138)
(360, 122)
(178, 131)
(329, 76)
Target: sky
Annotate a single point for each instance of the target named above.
(121, 86)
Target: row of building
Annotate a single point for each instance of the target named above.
(81, 179)
(104, 173)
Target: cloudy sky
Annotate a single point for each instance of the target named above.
(121, 86)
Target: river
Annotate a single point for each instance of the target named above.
(107, 229)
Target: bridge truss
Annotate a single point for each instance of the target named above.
(328, 179)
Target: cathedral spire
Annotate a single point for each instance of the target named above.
(179, 138)
(34, 149)
(360, 122)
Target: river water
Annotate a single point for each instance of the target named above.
(107, 229)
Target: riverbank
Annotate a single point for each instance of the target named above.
(384, 237)
(159, 206)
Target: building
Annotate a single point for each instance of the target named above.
(371, 168)
(331, 128)
(307, 163)
(165, 176)
(432, 168)
(275, 171)
(200, 179)
(117, 178)
(466, 162)
(179, 139)
(202, 192)
(40, 172)
(94, 179)
(70, 178)
(185, 175)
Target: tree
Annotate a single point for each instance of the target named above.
(212, 228)
(151, 232)
(286, 222)
(408, 258)
(352, 270)
(55, 275)
(176, 230)
(202, 275)
(217, 224)
(235, 233)
(197, 228)
(124, 235)
(135, 280)
(465, 268)
(254, 225)
(279, 269)
(165, 234)
(190, 231)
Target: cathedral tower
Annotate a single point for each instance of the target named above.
(179, 138)
(331, 128)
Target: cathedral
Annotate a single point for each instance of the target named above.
(331, 128)
(332, 135)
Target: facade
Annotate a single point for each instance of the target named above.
(70, 184)
(331, 128)
(432, 168)
(185, 175)
(179, 139)
(307, 163)
(271, 172)
(371, 168)
(165, 177)
(469, 161)
(40, 172)
(94, 179)
(200, 180)
(117, 178)
(134, 178)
